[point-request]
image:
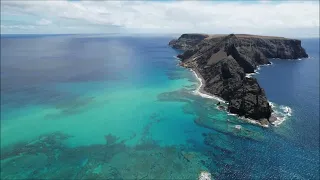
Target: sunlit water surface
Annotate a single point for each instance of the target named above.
(84, 107)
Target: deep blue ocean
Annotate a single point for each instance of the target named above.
(111, 107)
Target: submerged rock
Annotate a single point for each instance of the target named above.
(223, 61)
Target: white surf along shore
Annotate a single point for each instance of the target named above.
(279, 114)
(199, 91)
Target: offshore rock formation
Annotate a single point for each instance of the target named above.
(223, 60)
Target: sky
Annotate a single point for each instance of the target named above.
(281, 18)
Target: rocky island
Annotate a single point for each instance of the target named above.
(222, 62)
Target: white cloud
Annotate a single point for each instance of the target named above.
(44, 22)
(20, 27)
(178, 16)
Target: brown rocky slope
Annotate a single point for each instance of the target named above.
(223, 60)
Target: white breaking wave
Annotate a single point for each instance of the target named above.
(204, 95)
(281, 113)
(204, 175)
(249, 75)
(258, 68)
(271, 104)
(256, 71)
(266, 64)
(176, 57)
(249, 120)
(287, 110)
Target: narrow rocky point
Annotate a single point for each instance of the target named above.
(222, 61)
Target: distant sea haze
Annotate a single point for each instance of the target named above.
(98, 107)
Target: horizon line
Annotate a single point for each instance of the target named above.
(124, 34)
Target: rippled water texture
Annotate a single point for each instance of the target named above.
(85, 107)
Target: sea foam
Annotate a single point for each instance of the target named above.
(176, 57)
(256, 71)
(203, 94)
(280, 113)
(249, 120)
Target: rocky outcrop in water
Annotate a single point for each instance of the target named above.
(223, 60)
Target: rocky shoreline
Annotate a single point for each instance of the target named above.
(222, 62)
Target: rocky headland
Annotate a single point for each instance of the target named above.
(222, 62)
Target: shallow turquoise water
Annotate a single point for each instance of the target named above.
(119, 107)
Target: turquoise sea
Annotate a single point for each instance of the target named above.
(107, 107)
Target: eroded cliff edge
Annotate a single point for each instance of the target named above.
(223, 61)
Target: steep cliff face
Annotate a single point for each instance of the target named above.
(270, 47)
(187, 41)
(280, 48)
(223, 61)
